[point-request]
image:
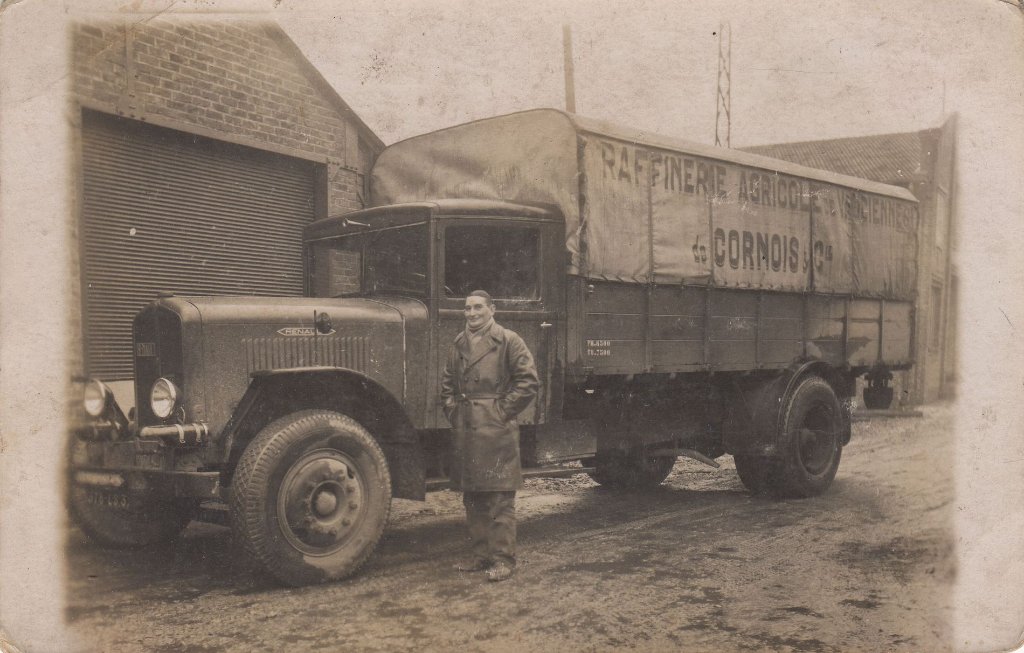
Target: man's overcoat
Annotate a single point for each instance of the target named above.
(484, 388)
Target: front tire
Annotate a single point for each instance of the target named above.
(810, 441)
(122, 521)
(310, 497)
(630, 470)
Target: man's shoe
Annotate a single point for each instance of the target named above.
(473, 564)
(500, 571)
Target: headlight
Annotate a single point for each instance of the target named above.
(95, 397)
(163, 398)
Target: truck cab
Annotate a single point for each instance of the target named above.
(300, 418)
(439, 252)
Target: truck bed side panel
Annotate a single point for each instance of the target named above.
(614, 325)
(677, 328)
(629, 328)
(896, 331)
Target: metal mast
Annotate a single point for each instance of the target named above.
(570, 81)
(723, 102)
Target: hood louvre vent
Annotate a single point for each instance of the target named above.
(276, 353)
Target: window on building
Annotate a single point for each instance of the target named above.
(502, 260)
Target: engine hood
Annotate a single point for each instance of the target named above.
(295, 312)
(228, 341)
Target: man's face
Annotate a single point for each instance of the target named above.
(477, 311)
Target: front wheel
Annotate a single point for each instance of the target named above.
(310, 497)
(810, 441)
(630, 470)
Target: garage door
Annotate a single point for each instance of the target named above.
(164, 210)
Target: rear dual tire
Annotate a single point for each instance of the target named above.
(810, 445)
(878, 397)
(631, 470)
(753, 472)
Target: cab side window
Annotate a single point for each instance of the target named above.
(503, 260)
(334, 267)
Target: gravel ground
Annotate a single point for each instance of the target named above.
(697, 565)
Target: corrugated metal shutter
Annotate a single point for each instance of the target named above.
(168, 211)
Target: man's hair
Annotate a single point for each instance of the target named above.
(484, 294)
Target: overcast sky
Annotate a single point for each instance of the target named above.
(801, 70)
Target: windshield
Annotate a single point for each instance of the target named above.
(390, 260)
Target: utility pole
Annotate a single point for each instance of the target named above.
(723, 101)
(570, 73)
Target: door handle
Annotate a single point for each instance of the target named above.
(545, 325)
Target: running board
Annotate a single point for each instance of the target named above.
(532, 472)
(688, 453)
(213, 512)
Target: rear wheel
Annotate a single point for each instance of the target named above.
(630, 470)
(878, 397)
(123, 520)
(310, 497)
(753, 472)
(810, 441)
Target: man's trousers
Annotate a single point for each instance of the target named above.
(491, 517)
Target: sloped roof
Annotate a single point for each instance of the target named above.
(888, 158)
(277, 33)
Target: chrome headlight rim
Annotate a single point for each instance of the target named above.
(96, 398)
(164, 397)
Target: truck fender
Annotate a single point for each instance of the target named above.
(752, 424)
(274, 393)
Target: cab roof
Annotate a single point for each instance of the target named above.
(417, 211)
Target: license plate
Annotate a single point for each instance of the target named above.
(148, 460)
(108, 499)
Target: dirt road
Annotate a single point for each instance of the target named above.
(695, 565)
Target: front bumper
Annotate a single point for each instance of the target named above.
(110, 454)
(139, 466)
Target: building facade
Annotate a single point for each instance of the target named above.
(203, 148)
(924, 163)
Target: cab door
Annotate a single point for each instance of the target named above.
(518, 262)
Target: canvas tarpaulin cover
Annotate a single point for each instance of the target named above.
(640, 208)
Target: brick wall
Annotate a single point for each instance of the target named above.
(238, 79)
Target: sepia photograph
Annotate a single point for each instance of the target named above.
(430, 325)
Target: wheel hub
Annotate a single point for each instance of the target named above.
(325, 503)
(816, 441)
(320, 501)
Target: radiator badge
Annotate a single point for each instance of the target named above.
(145, 349)
(301, 331)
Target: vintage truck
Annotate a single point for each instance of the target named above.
(679, 299)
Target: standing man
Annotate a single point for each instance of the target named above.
(488, 380)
